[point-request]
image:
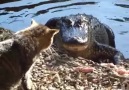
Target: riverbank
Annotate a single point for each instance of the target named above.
(54, 70)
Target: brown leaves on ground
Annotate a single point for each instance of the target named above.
(54, 70)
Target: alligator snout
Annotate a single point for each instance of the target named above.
(74, 40)
(74, 35)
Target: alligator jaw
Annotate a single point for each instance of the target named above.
(75, 47)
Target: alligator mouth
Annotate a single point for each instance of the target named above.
(75, 47)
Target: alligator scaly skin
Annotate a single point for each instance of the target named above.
(84, 35)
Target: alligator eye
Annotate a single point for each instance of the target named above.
(69, 22)
(78, 23)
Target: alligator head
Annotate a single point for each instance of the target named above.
(74, 30)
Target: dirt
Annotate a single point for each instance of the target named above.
(55, 70)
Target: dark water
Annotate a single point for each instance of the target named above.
(17, 14)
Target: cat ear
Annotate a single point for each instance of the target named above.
(33, 22)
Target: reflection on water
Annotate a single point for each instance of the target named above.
(122, 5)
(123, 32)
(63, 6)
(7, 1)
(19, 8)
(17, 14)
(124, 19)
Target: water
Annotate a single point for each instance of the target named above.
(17, 15)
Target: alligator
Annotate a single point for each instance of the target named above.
(83, 35)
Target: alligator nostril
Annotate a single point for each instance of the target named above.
(78, 23)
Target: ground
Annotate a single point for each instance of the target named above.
(54, 70)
